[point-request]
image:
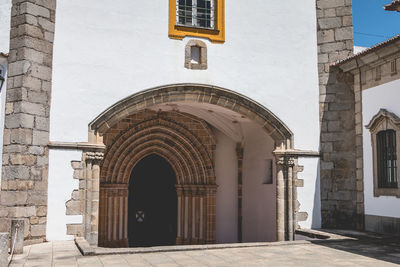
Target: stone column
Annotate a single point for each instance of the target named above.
(339, 207)
(92, 192)
(280, 200)
(290, 199)
(26, 131)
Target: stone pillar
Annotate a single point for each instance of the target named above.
(92, 196)
(339, 192)
(280, 200)
(290, 200)
(4, 249)
(26, 131)
(17, 236)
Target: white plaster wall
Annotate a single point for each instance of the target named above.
(107, 50)
(5, 16)
(226, 174)
(384, 96)
(309, 196)
(259, 199)
(61, 186)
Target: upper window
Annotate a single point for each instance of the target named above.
(197, 18)
(385, 134)
(195, 13)
(386, 159)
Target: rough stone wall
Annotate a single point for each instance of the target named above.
(341, 193)
(26, 132)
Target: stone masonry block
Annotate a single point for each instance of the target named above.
(345, 33)
(47, 25)
(21, 159)
(30, 54)
(38, 97)
(13, 198)
(41, 72)
(21, 136)
(35, 10)
(74, 207)
(324, 4)
(19, 120)
(326, 36)
(38, 230)
(75, 229)
(36, 150)
(29, 108)
(40, 138)
(344, 11)
(329, 23)
(16, 94)
(18, 68)
(41, 211)
(30, 30)
(37, 198)
(22, 212)
(15, 172)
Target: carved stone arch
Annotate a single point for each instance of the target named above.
(133, 129)
(196, 93)
(191, 159)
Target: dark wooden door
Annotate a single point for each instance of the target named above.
(152, 217)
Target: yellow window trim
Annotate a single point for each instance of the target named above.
(216, 35)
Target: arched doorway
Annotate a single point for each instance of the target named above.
(152, 203)
(179, 123)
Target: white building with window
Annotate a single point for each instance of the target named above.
(176, 122)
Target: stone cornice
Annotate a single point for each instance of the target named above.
(297, 153)
(77, 146)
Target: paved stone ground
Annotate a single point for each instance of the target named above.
(344, 253)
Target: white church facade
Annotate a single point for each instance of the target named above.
(178, 122)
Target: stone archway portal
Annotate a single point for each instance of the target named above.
(190, 157)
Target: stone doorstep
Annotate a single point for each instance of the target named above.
(319, 236)
(88, 250)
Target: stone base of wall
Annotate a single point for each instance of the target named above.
(382, 224)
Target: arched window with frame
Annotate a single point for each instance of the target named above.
(385, 136)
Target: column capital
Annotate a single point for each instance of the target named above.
(285, 160)
(94, 156)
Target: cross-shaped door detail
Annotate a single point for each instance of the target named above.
(139, 216)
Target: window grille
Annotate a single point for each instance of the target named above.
(387, 159)
(195, 13)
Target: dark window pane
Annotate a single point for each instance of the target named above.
(386, 159)
(185, 12)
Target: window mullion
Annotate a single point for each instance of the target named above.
(212, 14)
(194, 13)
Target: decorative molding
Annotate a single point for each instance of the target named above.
(94, 156)
(382, 121)
(383, 114)
(216, 35)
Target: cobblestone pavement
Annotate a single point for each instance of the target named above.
(344, 253)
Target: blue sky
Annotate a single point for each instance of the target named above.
(372, 24)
